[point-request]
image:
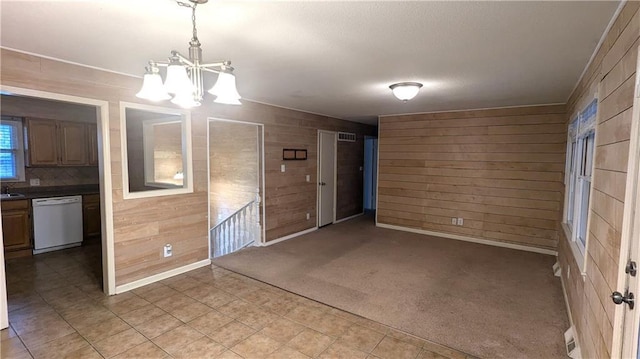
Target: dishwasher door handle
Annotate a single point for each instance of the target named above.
(54, 202)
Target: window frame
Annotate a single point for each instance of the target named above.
(579, 167)
(19, 163)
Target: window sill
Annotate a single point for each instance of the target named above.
(577, 255)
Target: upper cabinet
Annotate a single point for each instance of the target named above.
(60, 143)
(42, 142)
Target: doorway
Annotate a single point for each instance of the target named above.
(236, 185)
(370, 172)
(327, 177)
(99, 134)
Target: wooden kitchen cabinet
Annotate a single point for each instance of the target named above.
(92, 142)
(42, 142)
(59, 143)
(91, 220)
(16, 228)
(72, 142)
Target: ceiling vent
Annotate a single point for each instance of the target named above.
(346, 137)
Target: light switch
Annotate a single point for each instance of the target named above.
(281, 168)
(308, 178)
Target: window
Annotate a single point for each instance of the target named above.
(11, 150)
(580, 152)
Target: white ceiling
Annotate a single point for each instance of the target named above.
(335, 58)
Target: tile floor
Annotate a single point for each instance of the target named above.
(57, 309)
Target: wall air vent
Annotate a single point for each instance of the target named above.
(346, 137)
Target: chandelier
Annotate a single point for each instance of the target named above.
(184, 79)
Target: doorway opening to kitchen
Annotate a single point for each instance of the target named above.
(54, 233)
(236, 185)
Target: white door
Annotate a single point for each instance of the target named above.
(627, 319)
(327, 142)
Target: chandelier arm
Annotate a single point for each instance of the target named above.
(211, 70)
(182, 58)
(214, 64)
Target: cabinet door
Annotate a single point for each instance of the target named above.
(92, 141)
(16, 230)
(42, 142)
(91, 222)
(73, 143)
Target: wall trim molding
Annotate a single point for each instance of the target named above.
(160, 276)
(470, 239)
(348, 218)
(282, 239)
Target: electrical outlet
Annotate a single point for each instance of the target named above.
(460, 221)
(282, 168)
(34, 182)
(168, 250)
(454, 220)
(308, 216)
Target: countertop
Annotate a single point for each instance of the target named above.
(47, 192)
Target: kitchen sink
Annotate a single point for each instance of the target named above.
(11, 195)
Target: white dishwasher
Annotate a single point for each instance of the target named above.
(57, 223)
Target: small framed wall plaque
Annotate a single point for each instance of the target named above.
(291, 154)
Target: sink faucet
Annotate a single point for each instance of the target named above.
(5, 189)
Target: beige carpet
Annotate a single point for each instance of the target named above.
(488, 301)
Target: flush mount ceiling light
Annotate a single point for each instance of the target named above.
(184, 78)
(405, 91)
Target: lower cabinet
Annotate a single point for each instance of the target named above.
(91, 221)
(16, 228)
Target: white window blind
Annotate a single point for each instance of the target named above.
(11, 150)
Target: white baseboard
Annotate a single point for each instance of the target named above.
(348, 218)
(282, 239)
(160, 276)
(470, 239)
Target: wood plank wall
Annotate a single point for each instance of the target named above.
(143, 226)
(501, 170)
(612, 76)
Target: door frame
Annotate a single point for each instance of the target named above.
(630, 231)
(335, 177)
(261, 170)
(104, 169)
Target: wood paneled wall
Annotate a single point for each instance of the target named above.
(143, 226)
(612, 76)
(501, 170)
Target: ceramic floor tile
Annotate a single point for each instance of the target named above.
(339, 351)
(427, 354)
(282, 330)
(84, 353)
(189, 311)
(146, 350)
(158, 293)
(119, 343)
(287, 353)
(361, 338)
(176, 339)
(141, 315)
(183, 283)
(11, 346)
(310, 343)
(202, 348)
(158, 325)
(97, 331)
(34, 338)
(330, 325)
(232, 333)
(209, 323)
(256, 346)
(392, 348)
(128, 305)
(229, 355)
(407, 338)
(256, 318)
(60, 347)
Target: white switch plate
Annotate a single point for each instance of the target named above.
(308, 177)
(34, 182)
(454, 220)
(281, 168)
(168, 250)
(308, 216)
(460, 221)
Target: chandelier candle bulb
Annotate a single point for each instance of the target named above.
(185, 76)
